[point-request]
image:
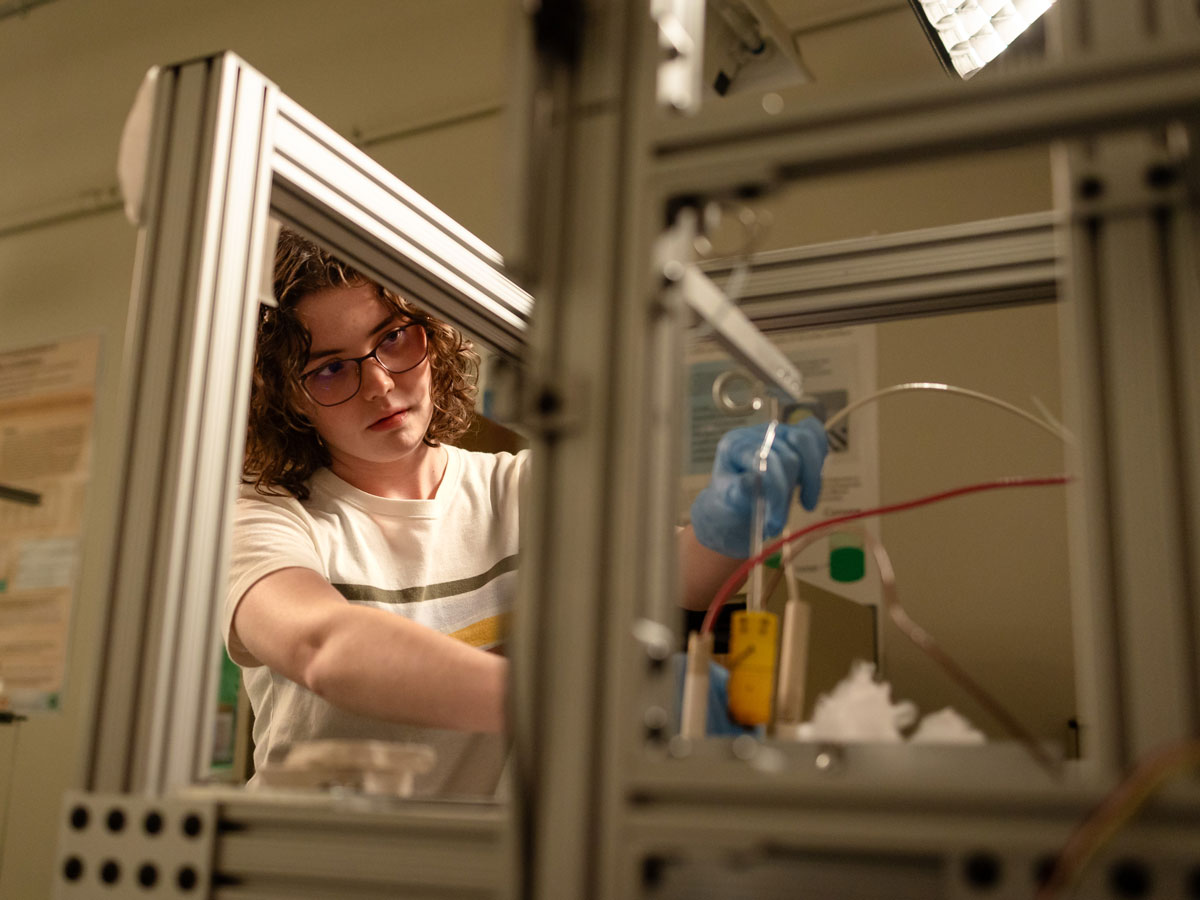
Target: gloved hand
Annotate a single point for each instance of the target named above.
(722, 513)
(718, 721)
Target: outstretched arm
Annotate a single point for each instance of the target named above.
(701, 571)
(366, 660)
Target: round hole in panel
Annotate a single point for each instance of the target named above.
(187, 878)
(1043, 868)
(1130, 878)
(110, 872)
(982, 870)
(192, 825)
(115, 820)
(73, 868)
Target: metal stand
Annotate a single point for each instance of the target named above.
(606, 804)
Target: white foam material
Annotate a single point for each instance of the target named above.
(860, 710)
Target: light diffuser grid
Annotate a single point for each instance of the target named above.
(974, 32)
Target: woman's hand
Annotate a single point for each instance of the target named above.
(722, 513)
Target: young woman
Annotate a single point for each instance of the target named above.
(373, 561)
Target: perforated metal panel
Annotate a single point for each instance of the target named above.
(124, 846)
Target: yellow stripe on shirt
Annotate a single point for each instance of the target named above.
(486, 633)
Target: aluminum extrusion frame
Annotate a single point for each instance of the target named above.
(227, 150)
(603, 799)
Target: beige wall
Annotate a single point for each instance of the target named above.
(68, 71)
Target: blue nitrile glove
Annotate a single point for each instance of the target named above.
(722, 513)
(719, 723)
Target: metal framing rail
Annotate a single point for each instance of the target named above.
(977, 265)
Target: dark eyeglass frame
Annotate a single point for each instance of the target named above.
(359, 360)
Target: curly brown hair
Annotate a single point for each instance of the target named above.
(283, 449)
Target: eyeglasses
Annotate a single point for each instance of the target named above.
(338, 380)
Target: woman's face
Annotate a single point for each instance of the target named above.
(383, 425)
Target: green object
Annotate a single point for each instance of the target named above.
(231, 679)
(226, 714)
(847, 563)
(775, 560)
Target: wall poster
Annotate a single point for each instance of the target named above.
(838, 366)
(47, 397)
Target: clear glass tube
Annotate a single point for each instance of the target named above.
(754, 599)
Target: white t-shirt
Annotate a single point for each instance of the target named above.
(449, 563)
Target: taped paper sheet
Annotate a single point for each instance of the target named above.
(47, 395)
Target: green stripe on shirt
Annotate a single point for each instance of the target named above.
(366, 592)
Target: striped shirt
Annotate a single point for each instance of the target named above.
(449, 563)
